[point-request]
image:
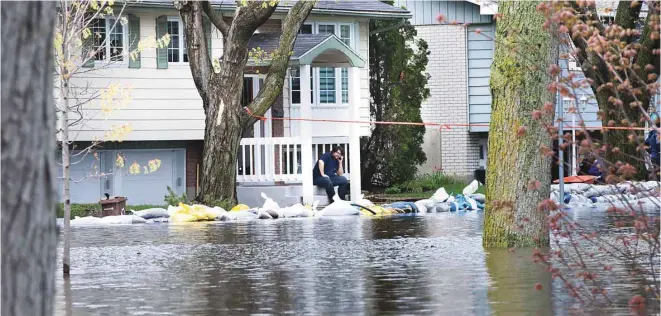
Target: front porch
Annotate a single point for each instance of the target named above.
(282, 166)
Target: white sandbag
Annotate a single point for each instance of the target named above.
(241, 216)
(440, 195)
(428, 203)
(84, 221)
(421, 207)
(479, 197)
(151, 213)
(220, 213)
(296, 210)
(472, 203)
(263, 214)
(157, 220)
(362, 201)
(443, 207)
(269, 203)
(172, 210)
(450, 199)
(339, 208)
(650, 185)
(339, 211)
(122, 220)
(273, 213)
(471, 188)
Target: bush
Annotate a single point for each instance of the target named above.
(83, 210)
(173, 199)
(431, 182)
(393, 190)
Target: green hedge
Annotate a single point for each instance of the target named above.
(83, 210)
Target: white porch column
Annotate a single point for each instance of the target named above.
(354, 136)
(306, 135)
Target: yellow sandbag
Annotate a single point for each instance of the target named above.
(240, 207)
(364, 212)
(379, 210)
(182, 218)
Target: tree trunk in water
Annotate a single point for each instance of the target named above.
(66, 170)
(29, 238)
(519, 86)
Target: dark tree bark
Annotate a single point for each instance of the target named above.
(596, 69)
(29, 239)
(519, 87)
(221, 92)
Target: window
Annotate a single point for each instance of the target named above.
(326, 29)
(345, 34)
(108, 39)
(305, 29)
(326, 80)
(326, 85)
(295, 85)
(345, 85)
(177, 52)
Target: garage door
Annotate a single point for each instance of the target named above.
(151, 187)
(85, 185)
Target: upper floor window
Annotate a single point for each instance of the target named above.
(177, 52)
(108, 39)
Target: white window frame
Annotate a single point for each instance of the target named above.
(338, 71)
(182, 42)
(125, 47)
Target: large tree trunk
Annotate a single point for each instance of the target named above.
(29, 239)
(226, 119)
(519, 86)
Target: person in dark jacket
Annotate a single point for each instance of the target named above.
(327, 173)
(652, 143)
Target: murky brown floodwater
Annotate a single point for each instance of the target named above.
(431, 264)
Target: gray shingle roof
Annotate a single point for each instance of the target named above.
(269, 42)
(370, 8)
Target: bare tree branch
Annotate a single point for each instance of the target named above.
(215, 18)
(274, 80)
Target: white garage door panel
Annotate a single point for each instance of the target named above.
(85, 185)
(148, 188)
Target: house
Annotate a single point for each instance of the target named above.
(328, 78)
(459, 68)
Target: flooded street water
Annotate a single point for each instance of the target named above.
(431, 264)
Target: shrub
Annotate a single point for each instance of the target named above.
(173, 199)
(393, 190)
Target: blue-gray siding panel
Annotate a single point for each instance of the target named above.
(480, 57)
(425, 11)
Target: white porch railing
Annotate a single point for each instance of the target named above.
(274, 159)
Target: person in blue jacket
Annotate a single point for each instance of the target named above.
(652, 142)
(327, 173)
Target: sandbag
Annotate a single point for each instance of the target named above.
(84, 221)
(443, 207)
(273, 213)
(157, 220)
(364, 202)
(421, 207)
(241, 216)
(122, 219)
(440, 195)
(151, 213)
(269, 203)
(339, 207)
(471, 188)
(479, 197)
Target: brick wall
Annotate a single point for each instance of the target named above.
(448, 102)
(194, 151)
(278, 130)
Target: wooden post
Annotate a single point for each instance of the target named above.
(306, 135)
(354, 138)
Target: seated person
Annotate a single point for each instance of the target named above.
(327, 173)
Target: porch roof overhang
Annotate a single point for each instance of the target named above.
(309, 49)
